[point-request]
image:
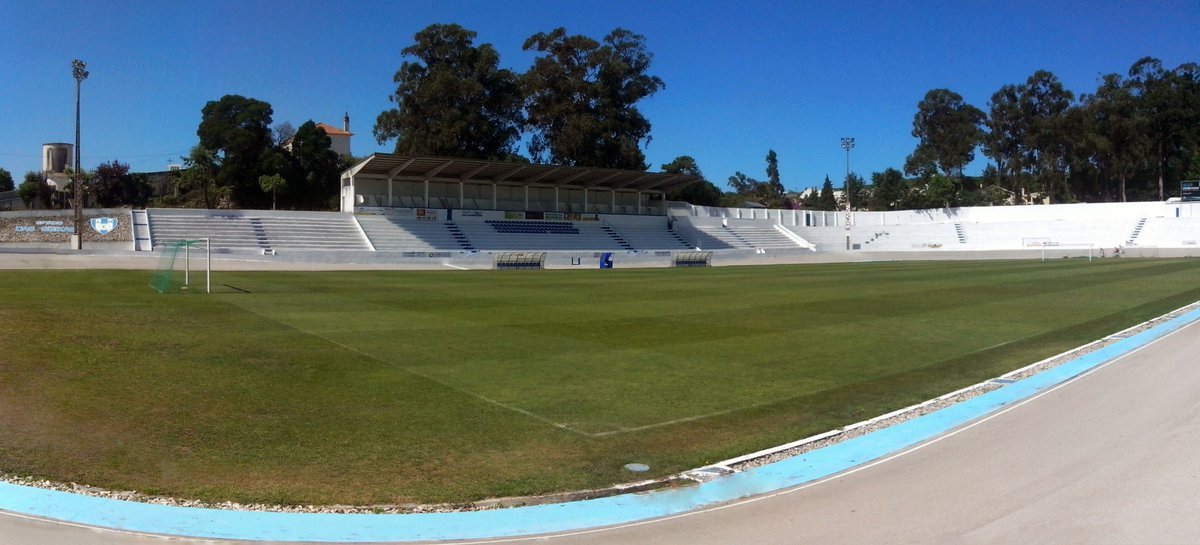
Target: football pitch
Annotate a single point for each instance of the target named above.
(397, 387)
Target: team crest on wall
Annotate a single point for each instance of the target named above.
(104, 226)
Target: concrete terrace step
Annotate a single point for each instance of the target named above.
(238, 231)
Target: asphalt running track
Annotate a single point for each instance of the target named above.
(1109, 456)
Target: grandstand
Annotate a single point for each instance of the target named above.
(892, 238)
(731, 233)
(257, 230)
(393, 234)
(538, 235)
(397, 207)
(384, 181)
(984, 229)
(647, 233)
(1170, 232)
(745, 234)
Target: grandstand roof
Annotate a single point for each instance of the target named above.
(401, 167)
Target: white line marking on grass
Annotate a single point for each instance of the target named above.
(414, 373)
(835, 476)
(697, 417)
(481, 397)
(789, 398)
(998, 345)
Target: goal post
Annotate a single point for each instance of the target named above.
(174, 271)
(1056, 250)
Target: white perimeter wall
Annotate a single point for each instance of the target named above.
(982, 214)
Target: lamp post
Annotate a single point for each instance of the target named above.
(79, 71)
(848, 144)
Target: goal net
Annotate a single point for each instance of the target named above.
(176, 272)
(1055, 250)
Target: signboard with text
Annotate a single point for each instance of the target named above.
(1189, 190)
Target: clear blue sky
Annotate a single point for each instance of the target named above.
(741, 77)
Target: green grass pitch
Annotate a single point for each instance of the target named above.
(395, 387)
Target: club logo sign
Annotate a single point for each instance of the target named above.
(104, 226)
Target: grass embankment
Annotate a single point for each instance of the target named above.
(392, 387)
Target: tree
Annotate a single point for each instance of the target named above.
(1168, 101)
(684, 164)
(1045, 104)
(454, 101)
(855, 188)
(991, 191)
(770, 193)
(775, 186)
(1026, 134)
(889, 190)
(992, 195)
(111, 184)
(809, 198)
(701, 192)
(731, 200)
(33, 187)
(1118, 133)
(1004, 141)
(948, 130)
(581, 99)
(236, 130)
(939, 192)
(28, 190)
(315, 169)
(6, 180)
(1083, 179)
(744, 185)
(827, 200)
(200, 175)
(272, 184)
(282, 132)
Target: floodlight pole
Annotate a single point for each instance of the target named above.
(80, 73)
(848, 144)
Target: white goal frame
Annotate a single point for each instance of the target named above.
(169, 265)
(187, 265)
(1090, 246)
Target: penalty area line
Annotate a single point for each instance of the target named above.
(841, 474)
(685, 419)
(414, 373)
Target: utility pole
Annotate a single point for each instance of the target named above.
(848, 144)
(79, 71)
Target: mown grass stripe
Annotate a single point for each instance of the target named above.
(257, 397)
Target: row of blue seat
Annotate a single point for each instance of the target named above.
(534, 227)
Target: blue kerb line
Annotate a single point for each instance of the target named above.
(560, 517)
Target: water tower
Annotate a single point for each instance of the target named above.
(57, 157)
